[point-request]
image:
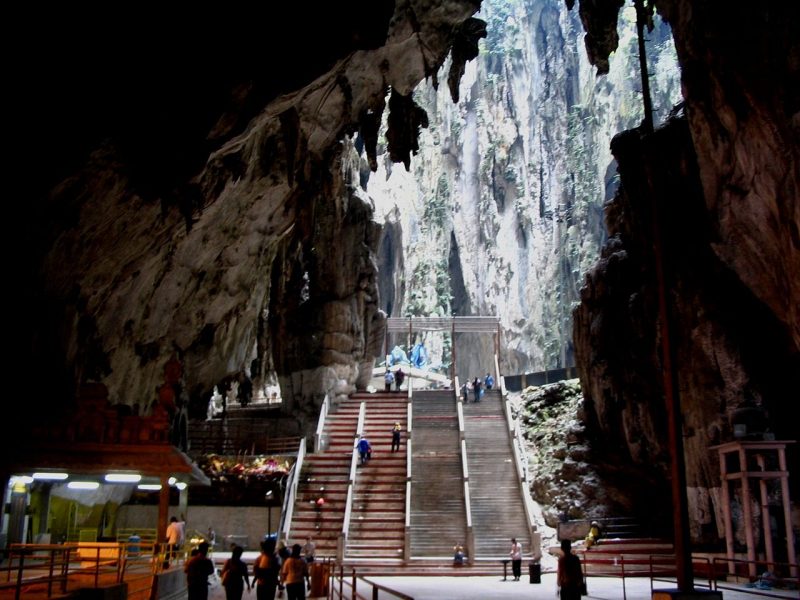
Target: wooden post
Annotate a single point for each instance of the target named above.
(762, 484)
(163, 509)
(748, 513)
(787, 512)
(726, 512)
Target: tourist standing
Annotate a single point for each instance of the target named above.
(396, 437)
(293, 574)
(265, 571)
(173, 536)
(388, 380)
(235, 576)
(476, 389)
(570, 576)
(398, 378)
(516, 558)
(489, 381)
(197, 570)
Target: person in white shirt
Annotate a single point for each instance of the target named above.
(516, 558)
(173, 535)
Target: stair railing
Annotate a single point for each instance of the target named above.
(362, 410)
(291, 491)
(469, 535)
(341, 544)
(320, 441)
(521, 463)
(407, 541)
(460, 413)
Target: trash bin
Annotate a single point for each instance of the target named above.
(535, 570)
(319, 579)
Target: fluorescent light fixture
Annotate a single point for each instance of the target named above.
(83, 485)
(50, 476)
(172, 481)
(24, 479)
(123, 478)
(154, 487)
(180, 485)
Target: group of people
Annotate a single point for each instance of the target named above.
(390, 378)
(365, 448)
(276, 568)
(476, 385)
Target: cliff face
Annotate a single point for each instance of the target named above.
(724, 181)
(502, 212)
(239, 242)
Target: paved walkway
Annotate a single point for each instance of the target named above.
(483, 588)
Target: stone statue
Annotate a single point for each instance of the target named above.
(214, 405)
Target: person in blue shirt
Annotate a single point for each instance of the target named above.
(364, 450)
(489, 381)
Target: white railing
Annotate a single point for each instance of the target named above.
(362, 411)
(464, 467)
(291, 494)
(408, 460)
(410, 388)
(319, 439)
(521, 464)
(460, 412)
(470, 541)
(348, 504)
(407, 541)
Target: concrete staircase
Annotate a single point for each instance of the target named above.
(377, 537)
(498, 512)
(438, 520)
(326, 474)
(377, 521)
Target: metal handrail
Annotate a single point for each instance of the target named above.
(50, 565)
(291, 495)
(338, 592)
(409, 419)
(323, 415)
(723, 561)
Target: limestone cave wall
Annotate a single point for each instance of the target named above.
(198, 197)
(724, 180)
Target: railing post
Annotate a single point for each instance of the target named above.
(355, 595)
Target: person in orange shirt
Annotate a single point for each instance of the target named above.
(293, 574)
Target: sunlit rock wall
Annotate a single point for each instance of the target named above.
(501, 213)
